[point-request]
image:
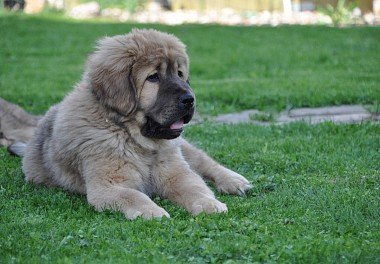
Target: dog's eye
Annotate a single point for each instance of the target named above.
(153, 78)
(180, 74)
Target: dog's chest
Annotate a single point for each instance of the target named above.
(147, 169)
(148, 161)
(151, 167)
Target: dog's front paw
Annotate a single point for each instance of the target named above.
(233, 183)
(208, 205)
(146, 212)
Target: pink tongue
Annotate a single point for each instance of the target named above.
(177, 125)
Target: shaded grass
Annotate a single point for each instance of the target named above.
(315, 199)
(232, 68)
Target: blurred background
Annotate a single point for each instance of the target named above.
(227, 12)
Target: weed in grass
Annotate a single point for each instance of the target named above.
(263, 117)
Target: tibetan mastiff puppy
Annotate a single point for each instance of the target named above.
(117, 136)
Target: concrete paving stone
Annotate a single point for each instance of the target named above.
(341, 118)
(330, 110)
(336, 114)
(235, 118)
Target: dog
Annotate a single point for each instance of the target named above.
(116, 138)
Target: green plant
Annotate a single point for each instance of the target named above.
(130, 5)
(341, 14)
(263, 117)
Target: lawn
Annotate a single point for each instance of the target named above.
(316, 188)
(232, 68)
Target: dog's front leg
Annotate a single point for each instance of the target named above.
(178, 183)
(118, 189)
(225, 180)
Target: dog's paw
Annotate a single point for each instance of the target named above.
(233, 183)
(147, 212)
(208, 205)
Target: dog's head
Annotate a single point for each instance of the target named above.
(145, 71)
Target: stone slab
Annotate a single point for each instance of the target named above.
(336, 114)
(330, 110)
(235, 118)
(342, 118)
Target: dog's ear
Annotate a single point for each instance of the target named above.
(109, 71)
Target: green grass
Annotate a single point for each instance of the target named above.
(316, 188)
(232, 68)
(315, 200)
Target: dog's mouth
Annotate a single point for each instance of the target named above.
(170, 130)
(178, 125)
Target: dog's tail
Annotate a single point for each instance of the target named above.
(17, 149)
(16, 127)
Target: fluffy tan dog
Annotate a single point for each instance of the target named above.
(116, 136)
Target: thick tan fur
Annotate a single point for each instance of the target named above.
(16, 125)
(91, 143)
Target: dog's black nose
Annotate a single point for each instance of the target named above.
(186, 101)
